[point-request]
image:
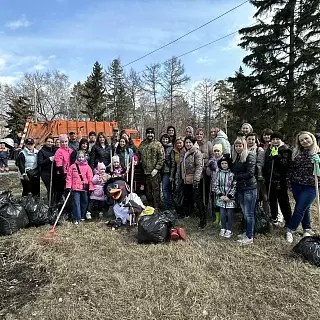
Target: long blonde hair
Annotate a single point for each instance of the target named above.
(298, 148)
(244, 153)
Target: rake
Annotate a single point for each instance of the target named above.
(51, 235)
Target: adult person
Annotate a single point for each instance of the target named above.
(73, 142)
(28, 169)
(152, 159)
(189, 132)
(305, 155)
(167, 170)
(57, 143)
(92, 140)
(275, 170)
(244, 164)
(219, 137)
(84, 146)
(62, 159)
(100, 152)
(190, 171)
(125, 153)
(171, 131)
(115, 138)
(265, 138)
(47, 165)
(206, 149)
(123, 134)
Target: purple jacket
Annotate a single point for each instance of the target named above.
(98, 193)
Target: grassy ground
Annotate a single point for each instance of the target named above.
(91, 272)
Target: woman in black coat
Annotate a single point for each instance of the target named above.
(100, 152)
(84, 146)
(45, 163)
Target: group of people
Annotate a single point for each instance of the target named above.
(191, 170)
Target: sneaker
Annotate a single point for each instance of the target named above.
(222, 232)
(100, 214)
(245, 240)
(182, 234)
(174, 235)
(88, 215)
(228, 234)
(202, 225)
(308, 233)
(76, 223)
(82, 219)
(289, 237)
(242, 235)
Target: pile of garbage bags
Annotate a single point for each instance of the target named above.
(308, 249)
(28, 212)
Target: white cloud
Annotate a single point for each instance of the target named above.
(8, 79)
(205, 60)
(23, 22)
(2, 62)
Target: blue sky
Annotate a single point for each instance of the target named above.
(70, 35)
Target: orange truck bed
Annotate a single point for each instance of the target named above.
(40, 130)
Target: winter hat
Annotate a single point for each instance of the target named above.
(63, 137)
(218, 146)
(276, 134)
(150, 129)
(227, 159)
(115, 158)
(101, 166)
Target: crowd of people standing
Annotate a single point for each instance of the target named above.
(191, 172)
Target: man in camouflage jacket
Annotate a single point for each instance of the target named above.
(152, 158)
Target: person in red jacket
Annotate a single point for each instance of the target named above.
(79, 180)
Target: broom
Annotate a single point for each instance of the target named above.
(131, 188)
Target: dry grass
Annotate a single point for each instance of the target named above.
(96, 273)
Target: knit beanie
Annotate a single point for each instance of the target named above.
(276, 134)
(150, 129)
(101, 166)
(227, 159)
(115, 158)
(63, 137)
(218, 146)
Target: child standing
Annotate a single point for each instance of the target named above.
(79, 180)
(213, 166)
(4, 157)
(225, 189)
(98, 198)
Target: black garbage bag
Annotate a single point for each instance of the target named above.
(12, 218)
(178, 194)
(37, 210)
(155, 228)
(309, 249)
(54, 211)
(5, 197)
(261, 220)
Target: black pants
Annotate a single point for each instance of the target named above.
(98, 204)
(193, 196)
(32, 186)
(207, 190)
(279, 194)
(45, 177)
(60, 186)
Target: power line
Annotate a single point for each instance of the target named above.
(193, 50)
(216, 18)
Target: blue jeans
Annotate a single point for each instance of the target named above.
(224, 213)
(247, 201)
(166, 190)
(80, 204)
(304, 196)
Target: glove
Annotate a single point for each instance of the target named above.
(196, 185)
(25, 177)
(61, 171)
(274, 151)
(154, 172)
(51, 159)
(316, 161)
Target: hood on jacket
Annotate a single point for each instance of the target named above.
(222, 135)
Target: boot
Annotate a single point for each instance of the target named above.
(174, 235)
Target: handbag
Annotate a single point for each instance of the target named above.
(33, 173)
(85, 185)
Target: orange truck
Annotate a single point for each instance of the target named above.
(40, 130)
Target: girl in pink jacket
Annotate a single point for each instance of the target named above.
(62, 159)
(79, 180)
(98, 197)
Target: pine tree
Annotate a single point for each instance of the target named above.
(285, 61)
(119, 102)
(94, 94)
(20, 110)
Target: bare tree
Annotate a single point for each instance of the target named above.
(50, 91)
(151, 81)
(173, 79)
